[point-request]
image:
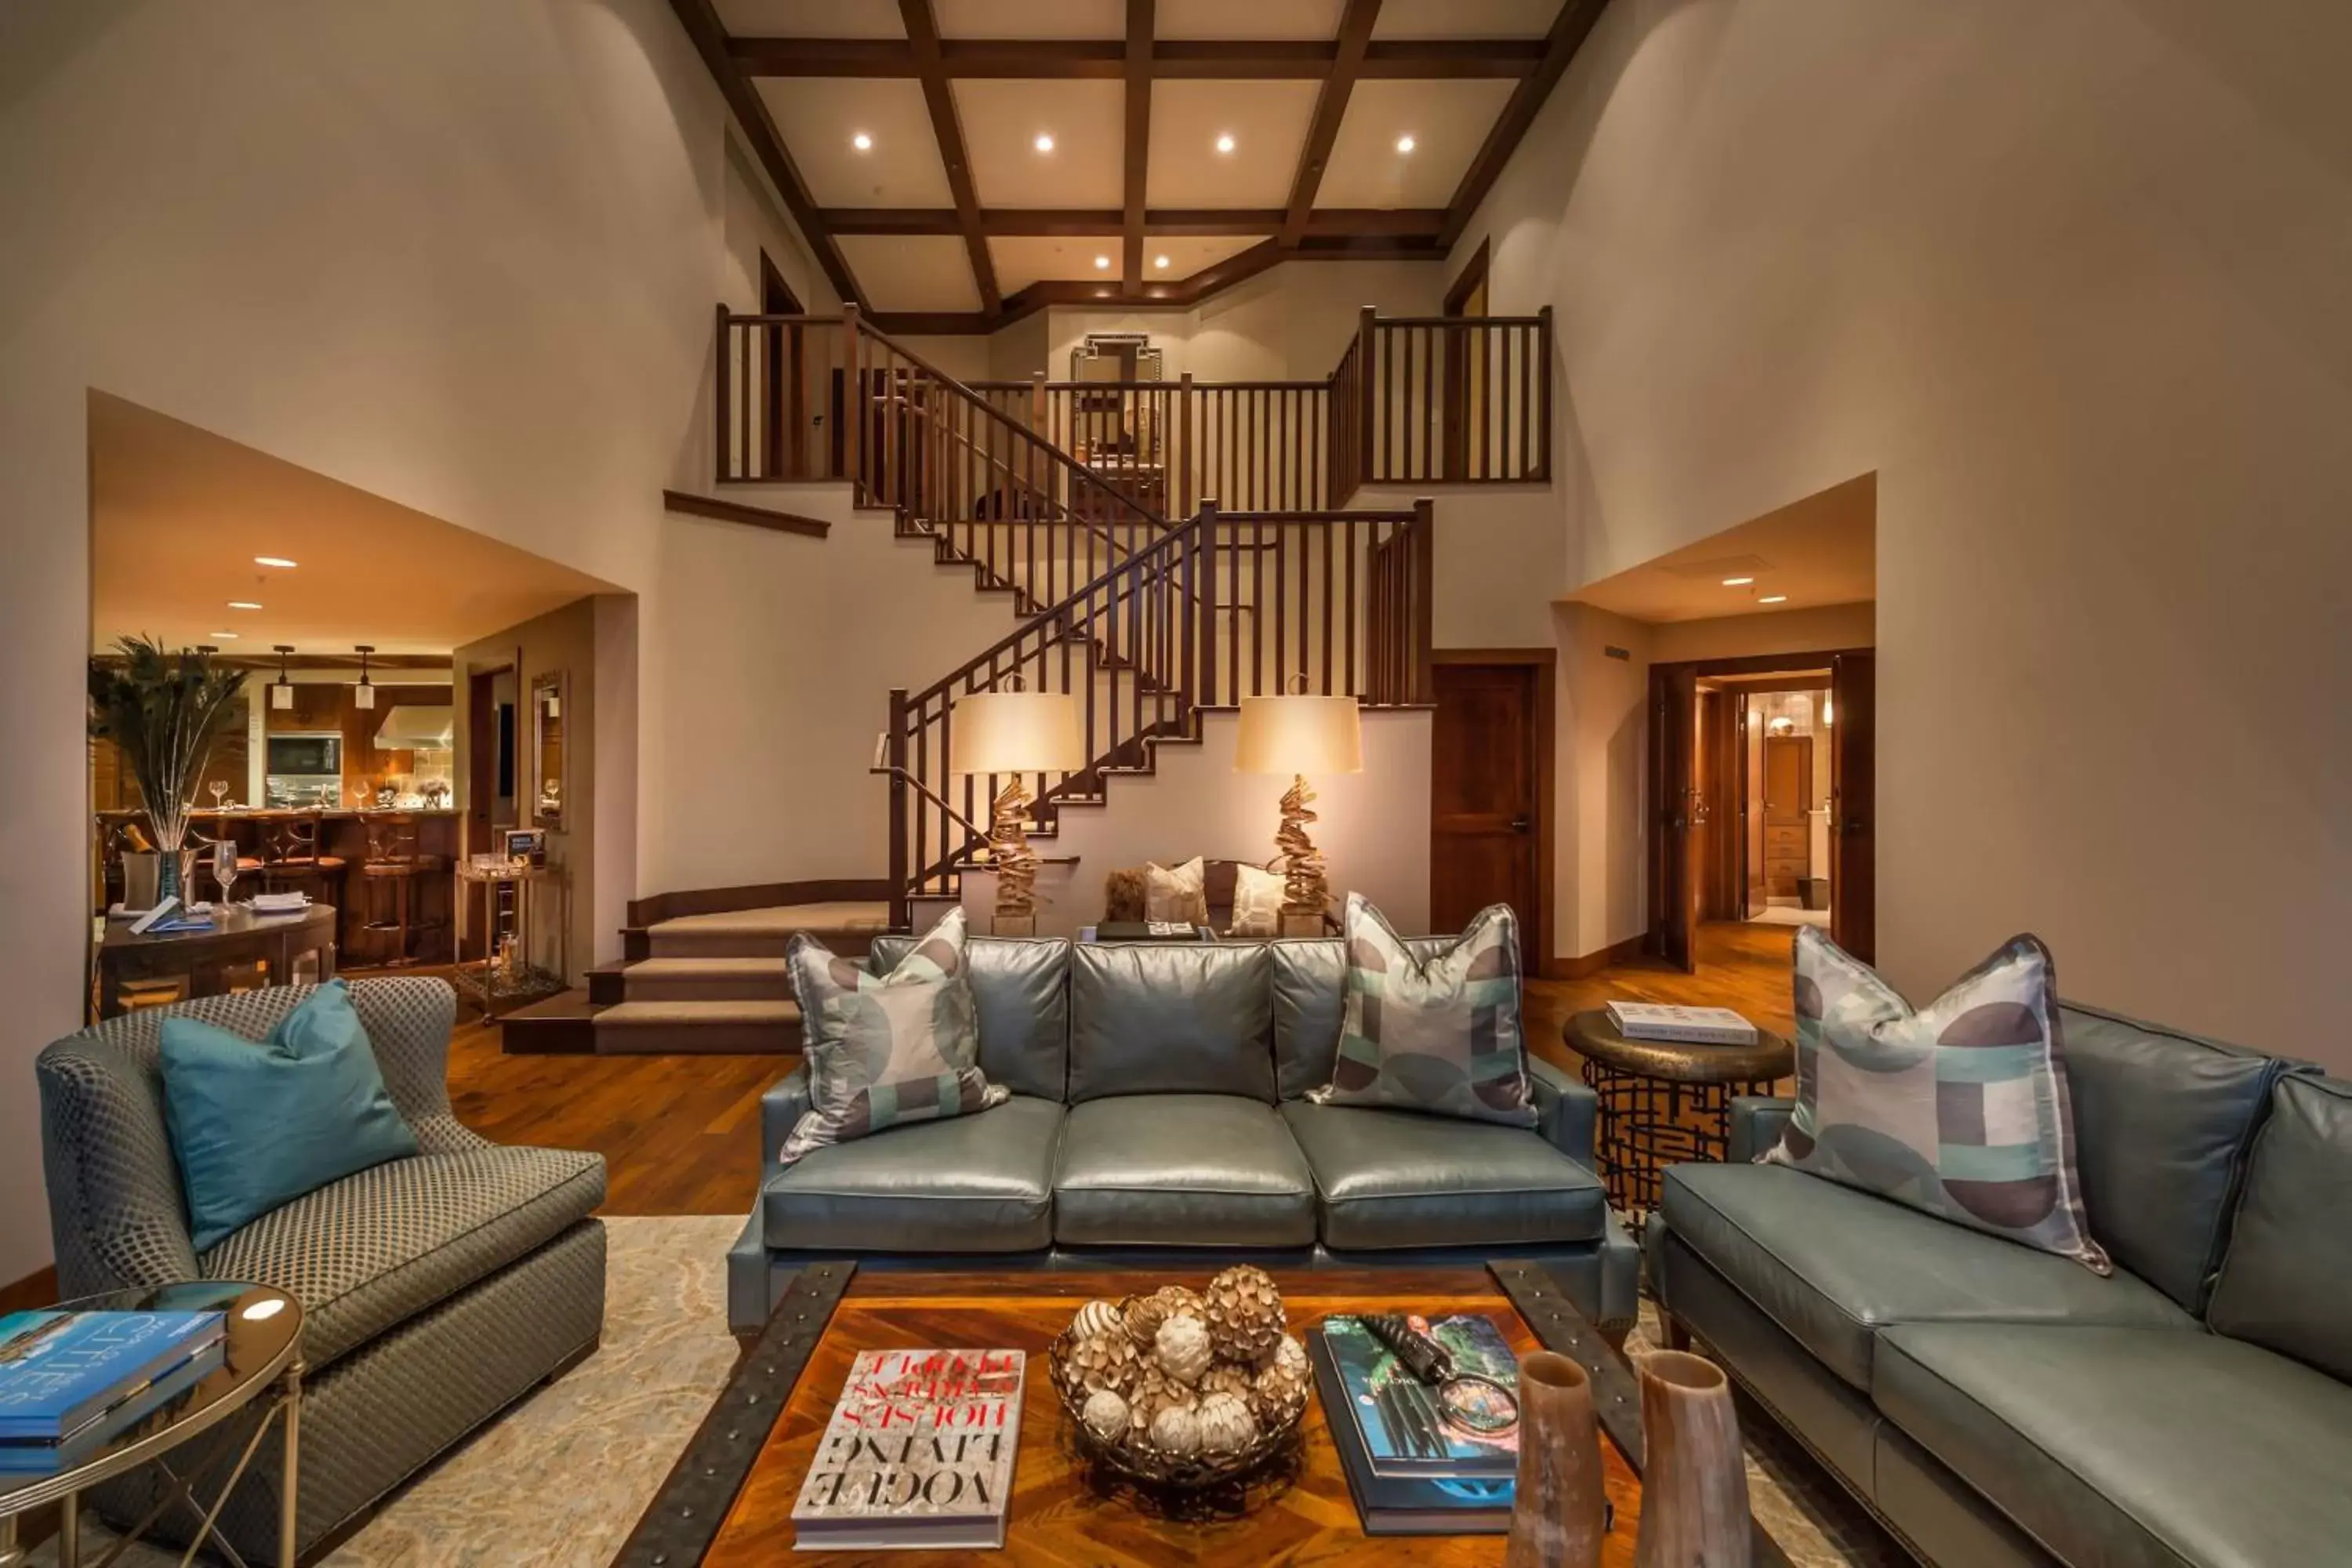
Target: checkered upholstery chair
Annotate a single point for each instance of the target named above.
(435, 1291)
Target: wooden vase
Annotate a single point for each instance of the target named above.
(1694, 1472)
(1559, 1512)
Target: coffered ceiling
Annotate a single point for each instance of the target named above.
(958, 163)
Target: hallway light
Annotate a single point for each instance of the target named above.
(1405, 143)
(862, 141)
(1773, 599)
(277, 560)
(1225, 143)
(1738, 582)
(1045, 142)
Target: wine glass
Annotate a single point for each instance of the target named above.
(220, 792)
(225, 864)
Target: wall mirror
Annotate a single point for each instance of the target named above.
(549, 794)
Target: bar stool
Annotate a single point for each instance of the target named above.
(394, 866)
(292, 862)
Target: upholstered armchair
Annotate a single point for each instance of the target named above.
(435, 1291)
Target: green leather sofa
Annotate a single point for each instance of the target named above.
(1998, 1405)
(1158, 1121)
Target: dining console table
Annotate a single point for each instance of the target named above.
(238, 936)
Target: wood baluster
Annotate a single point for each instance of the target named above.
(721, 469)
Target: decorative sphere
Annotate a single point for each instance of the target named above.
(1177, 1431)
(1288, 1353)
(1096, 1318)
(1182, 1348)
(1105, 1414)
(1225, 1424)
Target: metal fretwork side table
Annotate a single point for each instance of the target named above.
(1664, 1102)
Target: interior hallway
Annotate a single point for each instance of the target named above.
(680, 1135)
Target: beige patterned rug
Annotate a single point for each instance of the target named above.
(558, 1481)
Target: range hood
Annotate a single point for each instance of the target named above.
(415, 727)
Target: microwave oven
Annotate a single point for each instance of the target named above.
(318, 754)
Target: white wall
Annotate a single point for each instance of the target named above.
(1373, 832)
(463, 256)
(2070, 279)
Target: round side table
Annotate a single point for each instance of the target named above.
(1664, 1102)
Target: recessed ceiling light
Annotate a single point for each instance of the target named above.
(1225, 143)
(277, 560)
(862, 141)
(1773, 599)
(1102, 263)
(1738, 582)
(1160, 262)
(1045, 142)
(1404, 143)
(243, 604)
(224, 637)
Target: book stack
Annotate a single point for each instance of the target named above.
(1687, 1025)
(1410, 1469)
(918, 1453)
(72, 1383)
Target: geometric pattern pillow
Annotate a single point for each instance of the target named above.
(1442, 1037)
(1958, 1110)
(1177, 892)
(885, 1049)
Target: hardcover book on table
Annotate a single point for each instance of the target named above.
(1402, 1422)
(1405, 1505)
(1687, 1025)
(918, 1453)
(60, 1370)
(27, 1456)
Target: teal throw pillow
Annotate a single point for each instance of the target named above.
(255, 1124)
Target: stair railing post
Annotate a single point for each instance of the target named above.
(853, 439)
(1205, 552)
(902, 906)
(719, 420)
(1424, 601)
(1543, 396)
(1180, 446)
(1367, 417)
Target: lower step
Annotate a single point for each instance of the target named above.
(699, 1028)
(707, 979)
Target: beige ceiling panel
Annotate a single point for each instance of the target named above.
(820, 117)
(1031, 18)
(1188, 254)
(1022, 260)
(1248, 18)
(812, 18)
(1465, 18)
(1267, 120)
(912, 272)
(1448, 121)
(1002, 122)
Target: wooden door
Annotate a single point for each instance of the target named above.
(1484, 799)
(1674, 801)
(1788, 808)
(1853, 804)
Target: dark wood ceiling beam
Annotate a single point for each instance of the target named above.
(1568, 31)
(710, 36)
(1093, 223)
(1105, 59)
(1330, 108)
(923, 42)
(1139, 30)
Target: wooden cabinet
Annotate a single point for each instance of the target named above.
(1788, 804)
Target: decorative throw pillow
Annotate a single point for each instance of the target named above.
(886, 1049)
(255, 1124)
(1257, 902)
(1958, 1110)
(1123, 895)
(1442, 1035)
(1177, 892)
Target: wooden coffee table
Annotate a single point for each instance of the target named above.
(728, 1501)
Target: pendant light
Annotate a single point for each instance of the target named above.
(282, 690)
(366, 696)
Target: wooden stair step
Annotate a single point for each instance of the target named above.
(707, 979)
(846, 927)
(699, 1028)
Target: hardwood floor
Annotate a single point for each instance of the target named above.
(681, 1134)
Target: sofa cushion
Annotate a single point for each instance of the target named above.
(1182, 1170)
(1170, 1018)
(1021, 989)
(2287, 1278)
(982, 1183)
(2163, 1126)
(367, 1253)
(1387, 1179)
(2131, 1447)
(1834, 1266)
(1307, 978)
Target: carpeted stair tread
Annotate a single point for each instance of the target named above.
(845, 926)
(707, 979)
(638, 1015)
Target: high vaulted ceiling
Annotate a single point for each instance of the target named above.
(1017, 153)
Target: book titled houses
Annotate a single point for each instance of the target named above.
(918, 1453)
(1697, 1025)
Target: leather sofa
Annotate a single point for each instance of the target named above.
(1158, 1121)
(1994, 1404)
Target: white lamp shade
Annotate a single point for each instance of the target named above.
(1300, 735)
(363, 696)
(1016, 732)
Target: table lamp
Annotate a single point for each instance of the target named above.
(1015, 733)
(1298, 734)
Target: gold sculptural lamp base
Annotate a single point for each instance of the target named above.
(1016, 863)
(1305, 892)
(1299, 734)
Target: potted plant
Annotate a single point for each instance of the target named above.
(164, 712)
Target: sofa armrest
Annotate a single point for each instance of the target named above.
(1756, 1124)
(1565, 1109)
(117, 1218)
(780, 1108)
